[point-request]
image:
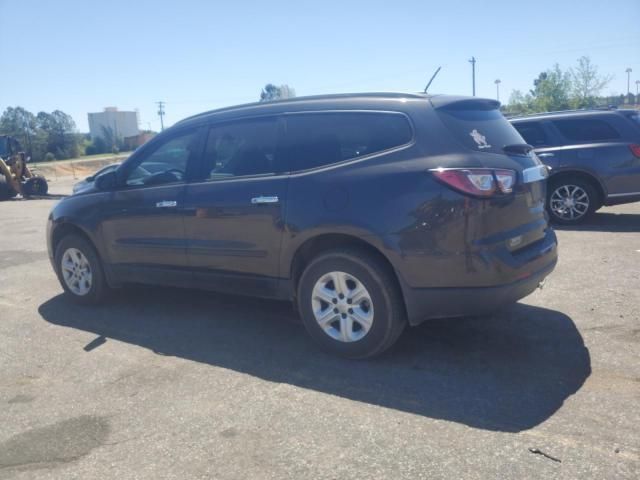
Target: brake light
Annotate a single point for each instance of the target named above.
(479, 182)
(635, 149)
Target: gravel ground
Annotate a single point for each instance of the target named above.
(165, 383)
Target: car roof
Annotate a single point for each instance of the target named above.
(366, 101)
(568, 114)
(300, 103)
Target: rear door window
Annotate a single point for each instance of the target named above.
(533, 133)
(242, 148)
(480, 129)
(586, 130)
(316, 139)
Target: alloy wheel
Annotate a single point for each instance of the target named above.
(76, 271)
(569, 202)
(342, 306)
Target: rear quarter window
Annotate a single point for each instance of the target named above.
(316, 139)
(533, 133)
(586, 130)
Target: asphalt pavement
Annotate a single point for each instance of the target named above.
(170, 383)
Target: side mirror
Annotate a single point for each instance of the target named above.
(106, 181)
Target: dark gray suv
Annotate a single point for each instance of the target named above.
(594, 157)
(369, 212)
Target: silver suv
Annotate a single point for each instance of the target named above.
(594, 157)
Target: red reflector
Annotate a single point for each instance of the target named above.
(635, 149)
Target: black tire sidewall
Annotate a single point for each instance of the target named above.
(36, 186)
(374, 280)
(586, 186)
(98, 285)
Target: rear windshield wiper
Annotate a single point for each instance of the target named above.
(518, 148)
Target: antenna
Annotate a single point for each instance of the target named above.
(432, 77)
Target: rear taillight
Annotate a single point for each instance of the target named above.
(635, 149)
(479, 182)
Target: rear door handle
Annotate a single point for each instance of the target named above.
(166, 204)
(263, 200)
(545, 155)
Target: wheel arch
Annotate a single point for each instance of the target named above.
(64, 229)
(314, 246)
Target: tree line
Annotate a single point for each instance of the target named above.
(45, 136)
(556, 89)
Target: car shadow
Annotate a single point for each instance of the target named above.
(606, 222)
(509, 372)
(48, 196)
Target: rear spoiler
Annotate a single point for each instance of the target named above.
(448, 102)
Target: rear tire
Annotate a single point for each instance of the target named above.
(75, 257)
(571, 201)
(360, 314)
(36, 186)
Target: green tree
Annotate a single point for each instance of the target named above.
(519, 103)
(273, 92)
(21, 124)
(551, 90)
(586, 83)
(59, 129)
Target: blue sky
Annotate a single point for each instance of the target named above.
(80, 56)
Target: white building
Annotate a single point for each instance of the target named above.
(122, 124)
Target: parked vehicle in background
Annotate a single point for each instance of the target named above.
(88, 181)
(369, 211)
(594, 157)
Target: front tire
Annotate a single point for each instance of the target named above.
(80, 271)
(350, 303)
(571, 201)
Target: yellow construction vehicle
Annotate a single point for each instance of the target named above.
(15, 176)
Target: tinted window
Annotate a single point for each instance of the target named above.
(242, 148)
(586, 130)
(317, 139)
(480, 129)
(532, 133)
(167, 163)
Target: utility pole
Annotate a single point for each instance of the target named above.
(637, 86)
(161, 114)
(497, 82)
(628, 70)
(473, 74)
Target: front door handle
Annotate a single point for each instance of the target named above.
(166, 204)
(545, 155)
(263, 200)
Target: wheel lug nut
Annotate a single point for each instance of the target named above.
(341, 296)
(344, 315)
(351, 311)
(335, 310)
(335, 300)
(349, 301)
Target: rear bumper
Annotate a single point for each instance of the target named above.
(427, 303)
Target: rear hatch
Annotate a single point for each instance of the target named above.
(485, 137)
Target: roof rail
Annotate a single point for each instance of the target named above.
(310, 98)
(561, 112)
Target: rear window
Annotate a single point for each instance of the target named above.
(533, 133)
(317, 139)
(586, 130)
(480, 129)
